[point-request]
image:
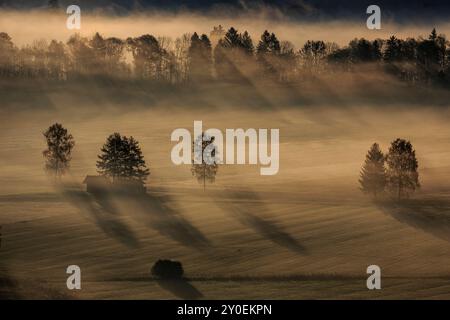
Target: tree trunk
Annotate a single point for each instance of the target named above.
(204, 177)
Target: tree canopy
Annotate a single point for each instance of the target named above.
(121, 159)
(373, 177)
(59, 149)
(403, 175)
(223, 56)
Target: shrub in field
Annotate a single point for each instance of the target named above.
(167, 269)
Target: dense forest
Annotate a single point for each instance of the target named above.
(229, 56)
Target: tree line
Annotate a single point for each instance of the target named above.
(230, 56)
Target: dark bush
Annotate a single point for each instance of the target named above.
(167, 269)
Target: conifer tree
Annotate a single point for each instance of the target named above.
(122, 159)
(268, 52)
(200, 57)
(247, 43)
(373, 173)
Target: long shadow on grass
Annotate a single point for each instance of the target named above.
(155, 212)
(244, 205)
(105, 215)
(32, 197)
(180, 288)
(8, 286)
(430, 216)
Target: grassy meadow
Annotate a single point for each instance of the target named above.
(305, 233)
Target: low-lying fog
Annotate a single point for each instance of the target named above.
(25, 27)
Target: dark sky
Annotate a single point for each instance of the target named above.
(399, 10)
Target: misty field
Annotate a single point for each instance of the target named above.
(305, 233)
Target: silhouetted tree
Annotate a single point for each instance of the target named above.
(207, 55)
(313, 54)
(247, 44)
(98, 45)
(433, 35)
(206, 169)
(59, 149)
(409, 49)
(400, 57)
(57, 60)
(148, 56)
(122, 159)
(233, 56)
(403, 175)
(114, 57)
(181, 57)
(340, 58)
(431, 57)
(400, 50)
(443, 45)
(267, 53)
(393, 51)
(7, 53)
(373, 173)
(169, 69)
(39, 63)
(200, 58)
(83, 57)
(362, 50)
(286, 62)
(268, 44)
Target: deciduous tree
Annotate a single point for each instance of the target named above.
(59, 149)
(403, 175)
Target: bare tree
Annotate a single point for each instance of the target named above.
(182, 45)
(205, 163)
